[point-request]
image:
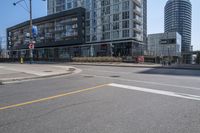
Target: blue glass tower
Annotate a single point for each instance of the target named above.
(178, 18)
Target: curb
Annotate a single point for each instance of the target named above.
(74, 71)
(2, 82)
(159, 67)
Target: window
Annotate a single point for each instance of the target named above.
(106, 27)
(125, 33)
(125, 15)
(106, 10)
(88, 38)
(115, 25)
(87, 23)
(87, 15)
(105, 19)
(125, 6)
(115, 1)
(94, 38)
(105, 2)
(87, 30)
(115, 34)
(116, 8)
(75, 4)
(125, 24)
(106, 35)
(69, 5)
(115, 17)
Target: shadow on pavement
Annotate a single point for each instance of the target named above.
(172, 72)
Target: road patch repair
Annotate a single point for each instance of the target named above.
(121, 86)
(19, 72)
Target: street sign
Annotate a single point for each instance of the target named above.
(31, 46)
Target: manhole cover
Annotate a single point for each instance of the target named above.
(47, 71)
(115, 76)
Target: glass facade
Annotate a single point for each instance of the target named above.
(55, 30)
(55, 6)
(164, 44)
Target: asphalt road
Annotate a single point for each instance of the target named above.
(104, 100)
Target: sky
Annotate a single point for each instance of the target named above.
(11, 15)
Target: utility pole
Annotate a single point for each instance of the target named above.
(31, 33)
(31, 26)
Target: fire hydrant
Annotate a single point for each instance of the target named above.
(21, 60)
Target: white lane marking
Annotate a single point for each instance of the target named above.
(160, 92)
(145, 82)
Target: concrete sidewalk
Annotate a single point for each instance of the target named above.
(15, 72)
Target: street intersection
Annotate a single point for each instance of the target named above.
(102, 99)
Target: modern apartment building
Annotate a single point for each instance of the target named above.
(178, 18)
(120, 25)
(54, 38)
(85, 28)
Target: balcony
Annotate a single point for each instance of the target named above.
(137, 3)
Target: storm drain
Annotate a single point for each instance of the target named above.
(115, 76)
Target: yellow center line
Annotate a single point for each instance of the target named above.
(51, 97)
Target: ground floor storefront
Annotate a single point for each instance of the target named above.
(66, 53)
